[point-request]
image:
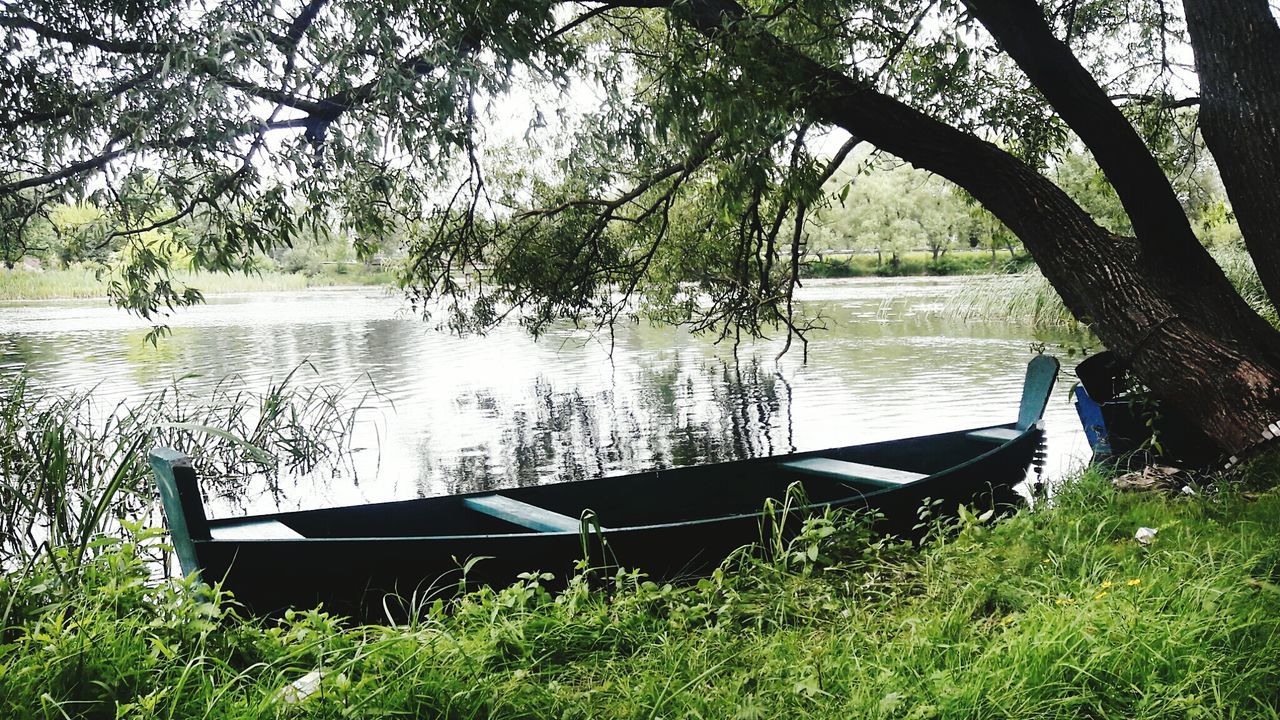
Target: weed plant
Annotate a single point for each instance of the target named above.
(1053, 613)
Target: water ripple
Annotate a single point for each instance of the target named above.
(501, 409)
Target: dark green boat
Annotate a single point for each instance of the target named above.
(669, 524)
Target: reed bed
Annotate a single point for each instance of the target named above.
(1054, 613)
(72, 471)
(1027, 297)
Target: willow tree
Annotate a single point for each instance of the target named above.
(603, 160)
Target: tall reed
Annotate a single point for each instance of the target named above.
(1027, 297)
(71, 471)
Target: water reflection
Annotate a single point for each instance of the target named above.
(683, 414)
(454, 414)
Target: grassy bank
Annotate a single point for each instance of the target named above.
(81, 282)
(909, 264)
(1053, 613)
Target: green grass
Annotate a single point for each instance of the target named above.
(909, 264)
(1054, 613)
(80, 282)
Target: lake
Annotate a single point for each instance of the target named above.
(455, 414)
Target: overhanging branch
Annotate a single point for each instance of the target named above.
(101, 160)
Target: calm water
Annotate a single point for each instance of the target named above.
(455, 414)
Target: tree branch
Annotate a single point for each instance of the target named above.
(1162, 101)
(83, 103)
(79, 37)
(1158, 219)
(101, 160)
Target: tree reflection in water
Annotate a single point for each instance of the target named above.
(686, 414)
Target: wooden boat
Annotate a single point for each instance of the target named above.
(668, 524)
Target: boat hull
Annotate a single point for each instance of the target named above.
(380, 561)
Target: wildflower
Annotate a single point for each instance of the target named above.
(1133, 582)
(1064, 601)
(1106, 584)
(1101, 595)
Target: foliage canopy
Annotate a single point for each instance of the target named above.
(566, 159)
(561, 156)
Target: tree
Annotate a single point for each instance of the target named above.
(686, 171)
(892, 209)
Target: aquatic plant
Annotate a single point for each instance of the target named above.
(1027, 297)
(72, 471)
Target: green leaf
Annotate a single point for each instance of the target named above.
(256, 452)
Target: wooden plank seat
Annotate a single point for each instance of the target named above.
(996, 435)
(851, 471)
(260, 529)
(522, 513)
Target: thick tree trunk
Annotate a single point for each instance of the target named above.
(1179, 323)
(1237, 50)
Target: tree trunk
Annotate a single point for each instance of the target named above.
(1158, 219)
(1174, 316)
(1237, 50)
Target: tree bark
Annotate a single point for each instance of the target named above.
(1237, 51)
(1184, 330)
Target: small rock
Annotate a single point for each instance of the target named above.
(1145, 535)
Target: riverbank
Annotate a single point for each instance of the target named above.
(912, 264)
(1056, 612)
(82, 283)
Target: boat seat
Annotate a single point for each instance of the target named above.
(254, 529)
(856, 472)
(996, 435)
(522, 513)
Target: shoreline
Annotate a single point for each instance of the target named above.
(1054, 612)
(18, 286)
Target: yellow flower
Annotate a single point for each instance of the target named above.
(1101, 595)
(1064, 601)
(1133, 582)
(1106, 584)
